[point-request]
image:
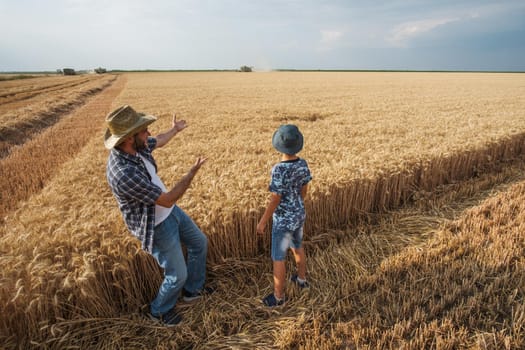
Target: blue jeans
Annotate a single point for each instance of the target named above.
(283, 239)
(167, 250)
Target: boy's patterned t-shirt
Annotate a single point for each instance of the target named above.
(288, 178)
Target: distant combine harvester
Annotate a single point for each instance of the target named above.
(246, 69)
(68, 71)
(71, 71)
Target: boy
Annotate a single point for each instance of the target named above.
(288, 187)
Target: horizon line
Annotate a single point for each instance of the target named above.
(83, 71)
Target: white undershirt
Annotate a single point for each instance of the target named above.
(161, 213)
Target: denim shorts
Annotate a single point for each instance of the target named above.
(282, 239)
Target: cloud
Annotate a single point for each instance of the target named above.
(464, 16)
(330, 36)
(200, 34)
(329, 39)
(403, 33)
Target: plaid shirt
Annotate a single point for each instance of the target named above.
(136, 195)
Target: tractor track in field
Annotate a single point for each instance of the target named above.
(46, 147)
(10, 97)
(20, 132)
(429, 212)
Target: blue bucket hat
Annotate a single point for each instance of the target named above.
(288, 139)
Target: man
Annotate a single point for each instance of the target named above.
(149, 209)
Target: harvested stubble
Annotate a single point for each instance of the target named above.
(26, 169)
(28, 106)
(363, 159)
(464, 289)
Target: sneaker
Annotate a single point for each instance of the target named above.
(272, 301)
(169, 319)
(301, 285)
(187, 296)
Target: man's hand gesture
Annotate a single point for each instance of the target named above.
(178, 125)
(198, 163)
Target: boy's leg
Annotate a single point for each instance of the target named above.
(197, 247)
(279, 278)
(168, 253)
(280, 245)
(298, 252)
(300, 262)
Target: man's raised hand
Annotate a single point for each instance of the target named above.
(178, 125)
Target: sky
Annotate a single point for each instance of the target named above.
(45, 35)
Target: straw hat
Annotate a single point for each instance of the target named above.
(288, 139)
(123, 122)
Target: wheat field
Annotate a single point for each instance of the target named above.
(366, 134)
(376, 142)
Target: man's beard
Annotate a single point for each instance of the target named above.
(139, 145)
